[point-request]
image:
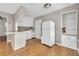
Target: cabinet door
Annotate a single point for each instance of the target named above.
(19, 22)
(20, 40)
(29, 22)
(69, 41)
(28, 35)
(64, 40)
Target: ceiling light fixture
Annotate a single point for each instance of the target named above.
(47, 5)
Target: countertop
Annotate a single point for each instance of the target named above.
(18, 32)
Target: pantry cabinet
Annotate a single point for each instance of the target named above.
(48, 33)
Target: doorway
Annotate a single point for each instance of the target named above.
(3, 35)
(38, 28)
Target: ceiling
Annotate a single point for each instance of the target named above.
(33, 9)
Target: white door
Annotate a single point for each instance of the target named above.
(38, 24)
(2, 27)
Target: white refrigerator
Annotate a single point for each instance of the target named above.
(48, 33)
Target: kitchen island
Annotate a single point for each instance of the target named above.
(18, 39)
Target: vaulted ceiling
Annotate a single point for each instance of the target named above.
(33, 9)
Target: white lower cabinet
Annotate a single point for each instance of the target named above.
(29, 34)
(69, 41)
(18, 40)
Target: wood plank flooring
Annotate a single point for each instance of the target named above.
(35, 48)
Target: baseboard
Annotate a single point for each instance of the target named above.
(33, 38)
(67, 47)
(37, 38)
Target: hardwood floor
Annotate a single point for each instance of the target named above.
(2, 38)
(35, 48)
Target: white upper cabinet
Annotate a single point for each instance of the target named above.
(69, 23)
(23, 19)
(26, 21)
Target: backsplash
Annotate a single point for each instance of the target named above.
(24, 28)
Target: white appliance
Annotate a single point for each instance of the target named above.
(48, 33)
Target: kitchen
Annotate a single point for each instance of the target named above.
(24, 27)
(29, 31)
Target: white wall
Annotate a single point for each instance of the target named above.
(10, 23)
(10, 20)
